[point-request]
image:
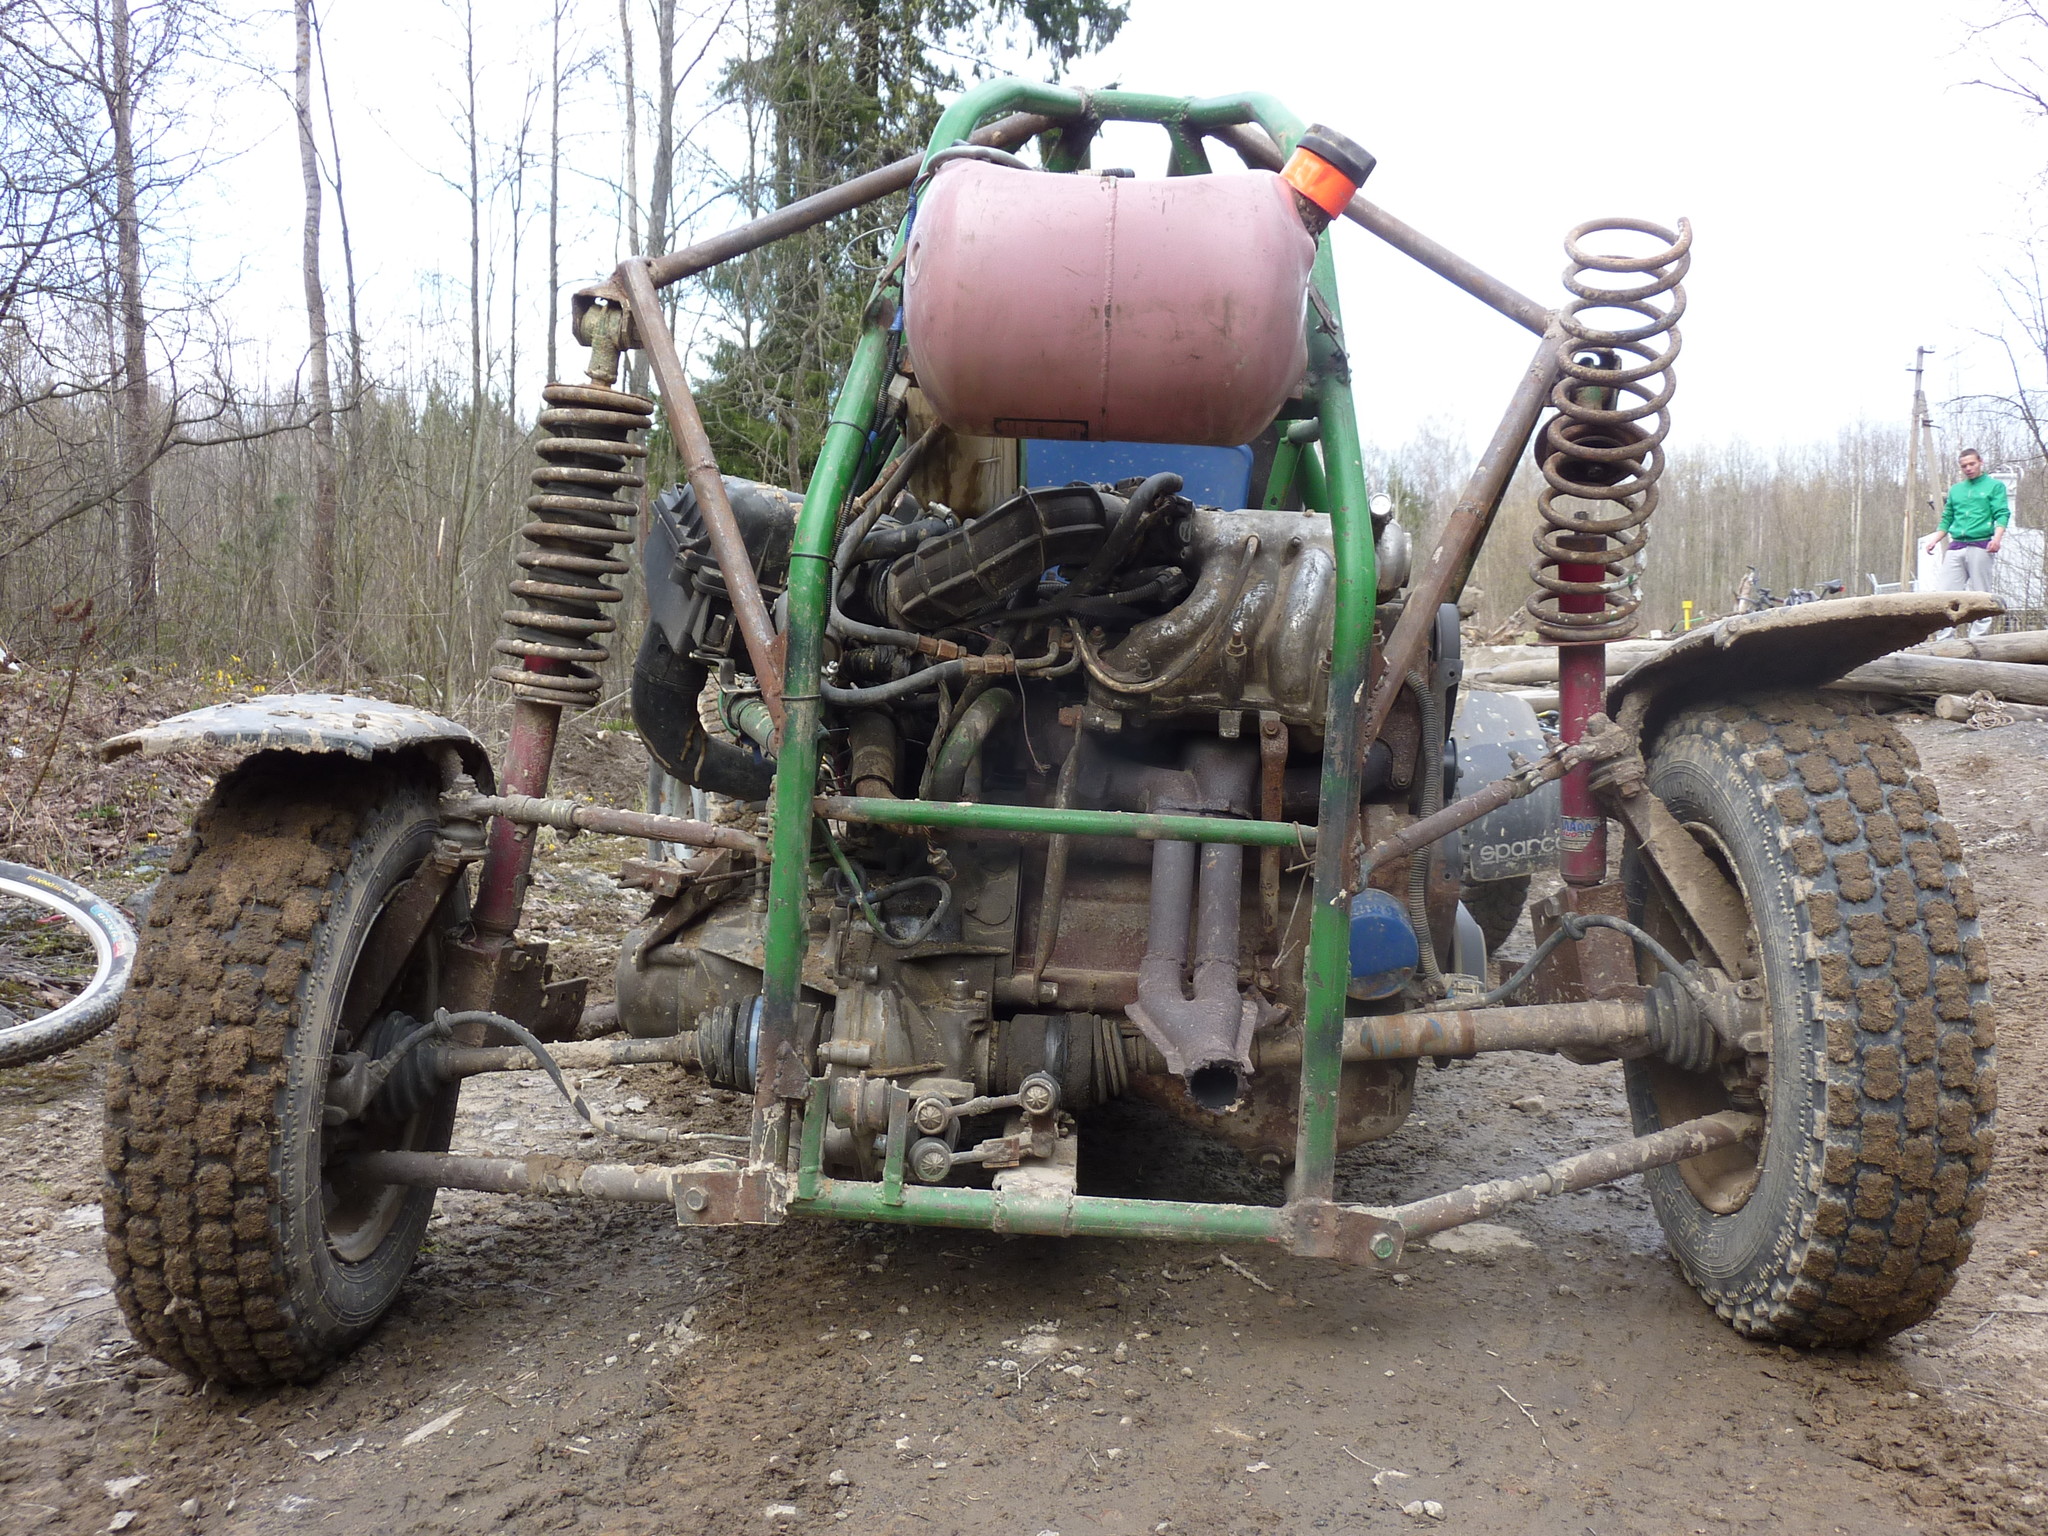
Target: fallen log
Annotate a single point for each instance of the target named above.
(2025, 645)
(1953, 706)
(1911, 672)
(1533, 670)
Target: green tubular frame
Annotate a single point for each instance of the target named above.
(1334, 483)
(1048, 820)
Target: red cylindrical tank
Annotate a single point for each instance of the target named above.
(1106, 307)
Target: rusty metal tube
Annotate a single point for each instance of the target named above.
(1604, 1165)
(700, 467)
(568, 816)
(1619, 1027)
(534, 1175)
(1540, 1027)
(529, 755)
(1203, 1037)
(875, 755)
(572, 1055)
(1257, 148)
(1470, 808)
(1057, 852)
(1450, 560)
(809, 212)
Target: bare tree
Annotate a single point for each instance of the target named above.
(2019, 31)
(354, 385)
(322, 397)
(554, 181)
(82, 82)
(138, 509)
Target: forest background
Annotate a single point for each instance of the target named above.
(197, 469)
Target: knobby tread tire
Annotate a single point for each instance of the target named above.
(1496, 906)
(200, 1091)
(1893, 1033)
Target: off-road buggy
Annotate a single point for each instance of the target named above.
(1081, 730)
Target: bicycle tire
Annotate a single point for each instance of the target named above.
(113, 943)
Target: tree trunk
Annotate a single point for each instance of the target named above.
(636, 367)
(2029, 645)
(321, 576)
(136, 500)
(354, 386)
(554, 188)
(455, 532)
(661, 175)
(1953, 706)
(349, 436)
(1908, 673)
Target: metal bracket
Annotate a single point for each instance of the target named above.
(723, 1197)
(1705, 897)
(1350, 1234)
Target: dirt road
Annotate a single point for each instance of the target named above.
(562, 1367)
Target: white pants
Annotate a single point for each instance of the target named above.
(1967, 570)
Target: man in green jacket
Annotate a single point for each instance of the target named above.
(1973, 527)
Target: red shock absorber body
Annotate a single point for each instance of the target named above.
(1581, 690)
(1601, 456)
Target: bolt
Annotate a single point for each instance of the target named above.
(931, 1114)
(1038, 1094)
(931, 1161)
(1383, 1247)
(695, 1198)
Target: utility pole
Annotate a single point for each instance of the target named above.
(1921, 423)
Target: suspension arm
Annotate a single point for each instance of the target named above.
(718, 1193)
(1601, 743)
(1603, 1165)
(571, 816)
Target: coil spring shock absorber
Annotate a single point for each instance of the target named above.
(585, 463)
(554, 628)
(1604, 447)
(1601, 455)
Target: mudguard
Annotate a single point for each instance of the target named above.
(1786, 648)
(1520, 838)
(306, 722)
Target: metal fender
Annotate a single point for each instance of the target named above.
(1520, 838)
(306, 722)
(1786, 648)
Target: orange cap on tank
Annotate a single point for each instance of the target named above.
(1327, 168)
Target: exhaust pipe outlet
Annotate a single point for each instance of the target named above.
(1206, 1039)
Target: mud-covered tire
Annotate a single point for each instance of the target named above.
(1878, 1101)
(1496, 906)
(234, 1258)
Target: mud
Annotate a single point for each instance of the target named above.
(555, 1366)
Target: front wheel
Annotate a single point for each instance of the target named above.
(1850, 1218)
(241, 1249)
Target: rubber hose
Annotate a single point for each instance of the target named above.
(964, 743)
(1431, 767)
(902, 687)
(665, 692)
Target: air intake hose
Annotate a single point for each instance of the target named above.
(666, 688)
(979, 566)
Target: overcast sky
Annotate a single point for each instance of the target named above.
(1849, 191)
